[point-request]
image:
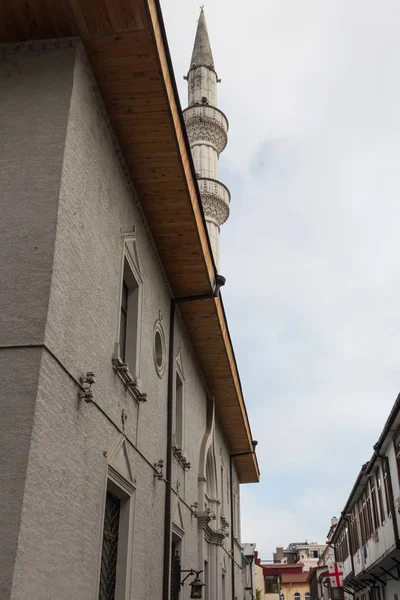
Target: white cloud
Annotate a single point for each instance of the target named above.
(313, 286)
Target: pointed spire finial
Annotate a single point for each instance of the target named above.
(202, 55)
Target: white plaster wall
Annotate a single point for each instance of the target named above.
(60, 534)
(34, 98)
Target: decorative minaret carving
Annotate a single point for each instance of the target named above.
(207, 129)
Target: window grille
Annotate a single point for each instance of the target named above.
(108, 573)
(175, 576)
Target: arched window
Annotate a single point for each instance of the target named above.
(210, 475)
(297, 596)
(307, 596)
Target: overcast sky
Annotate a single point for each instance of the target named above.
(311, 249)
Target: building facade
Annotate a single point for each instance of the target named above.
(282, 581)
(123, 428)
(308, 553)
(366, 538)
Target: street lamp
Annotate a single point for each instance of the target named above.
(196, 585)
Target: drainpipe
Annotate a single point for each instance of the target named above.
(219, 282)
(231, 457)
(251, 577)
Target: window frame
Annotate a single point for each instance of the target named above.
(378, 477)
(125, 491)
(131, 277)
(386, 475)
(179, 440)
(273, 581)
(397, 452)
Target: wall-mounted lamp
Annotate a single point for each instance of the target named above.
(197, 584)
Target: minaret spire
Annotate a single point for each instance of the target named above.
(207, 129)
(202, 54)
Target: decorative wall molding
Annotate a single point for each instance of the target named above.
(214, 208)
(210, 535)
(202, 131)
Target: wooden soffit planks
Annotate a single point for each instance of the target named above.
(126, 46)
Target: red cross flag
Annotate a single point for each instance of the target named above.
(336, 574)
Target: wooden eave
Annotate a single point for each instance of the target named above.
(126, 45)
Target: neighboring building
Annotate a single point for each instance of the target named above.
(249, 571)
(259, 579)
(320, 585)
(366, 538)
(304, 552)
(123, 430)
(295, 586)
(327, 556)
(284, 581)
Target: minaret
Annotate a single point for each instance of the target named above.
(207, 129)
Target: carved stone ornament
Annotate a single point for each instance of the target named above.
(214, 207)
(200, 129)
(210, 535)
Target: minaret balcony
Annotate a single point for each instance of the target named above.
(215, 198)
(206, 125)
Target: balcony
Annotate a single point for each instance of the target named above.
(215, 198)
(206, 125)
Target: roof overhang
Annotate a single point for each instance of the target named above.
(126, 44)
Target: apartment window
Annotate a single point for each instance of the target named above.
(178, 411)
(362, 525)
(109, 553)
(386, 484)
(355, 540)
(375, 514)
(271, 584)
(380, 499)
(297, 596)
(368, 510)
(307, 596)
(397, 451)
(342, 547)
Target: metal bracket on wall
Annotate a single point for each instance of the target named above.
(130, 382)
(159, 467)
(87, 381)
